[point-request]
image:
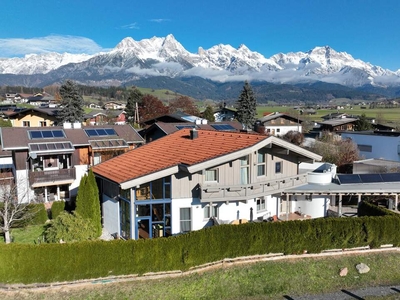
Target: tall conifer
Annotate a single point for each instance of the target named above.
(246, 107)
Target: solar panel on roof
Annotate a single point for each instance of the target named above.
(370, 178)
(349, 178)
(390, 177)
(58, 133)
(222, 127)
(100, 132)
(110, 131)
(46, 134)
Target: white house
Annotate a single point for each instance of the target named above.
(182, 181)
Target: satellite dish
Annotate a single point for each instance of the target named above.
(33, 155)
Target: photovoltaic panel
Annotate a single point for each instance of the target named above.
(349, 178)
(222, 127)
(370, 178)
(46, 134)
(100, 132)
(390, 177)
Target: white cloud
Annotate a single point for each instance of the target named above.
(131, 26)
(17, 47)
(159, 20)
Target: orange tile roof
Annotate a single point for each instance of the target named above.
(171, 150)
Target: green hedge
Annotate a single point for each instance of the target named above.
(21, 263)
(370, 209)
(39, 213)
(56, 208)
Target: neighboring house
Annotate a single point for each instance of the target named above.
(279, 124)
(100, 117)
(32, 117)
(183, 181)
(41, 100)
(114, 105)
(376, 144)
(375, 165)
(335, 125)
(176, 117)
(50, 161)
(160, 129)
(224, 114)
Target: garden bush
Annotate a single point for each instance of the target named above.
(56, 208)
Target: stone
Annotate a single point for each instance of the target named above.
(362, 268)
(343, 272)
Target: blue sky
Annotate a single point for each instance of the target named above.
(367, 29)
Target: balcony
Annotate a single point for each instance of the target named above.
(51, 177)
(221, 193)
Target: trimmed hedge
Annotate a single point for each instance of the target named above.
(370, 209)
(56, 208)
(39, 214)
(21, 263)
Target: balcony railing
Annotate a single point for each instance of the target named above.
(218, 193)
(51, 176)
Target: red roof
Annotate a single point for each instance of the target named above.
(172, 150)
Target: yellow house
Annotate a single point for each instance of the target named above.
(33, 117)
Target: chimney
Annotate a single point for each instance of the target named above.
(67, 125)
(194, 134)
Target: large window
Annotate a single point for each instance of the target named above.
(157, 189)
(244, 170)
(210, 211)
(211, 175)
(261, 164)
(26, 124)
(185, 219)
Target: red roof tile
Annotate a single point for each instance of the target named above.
(171, 150)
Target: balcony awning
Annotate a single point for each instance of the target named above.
(51, 148)
(108, 144)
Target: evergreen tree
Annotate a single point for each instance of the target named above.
(95, 203)
(209, 114)
(88, 203)
(71, 102)
(246, 107)
(363, 124)
(135, 96)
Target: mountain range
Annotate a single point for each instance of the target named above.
(160, 62)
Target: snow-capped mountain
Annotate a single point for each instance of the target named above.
(39, 63)
(132, 60)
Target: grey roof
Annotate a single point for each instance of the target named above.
(337, 122)
(278, 115)
(13, 138)
(335, 188)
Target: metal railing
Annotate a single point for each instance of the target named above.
(218, 193)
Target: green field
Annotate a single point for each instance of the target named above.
(388, 115)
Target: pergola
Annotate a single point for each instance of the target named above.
(352, 184)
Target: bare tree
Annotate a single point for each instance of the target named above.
(14, 206)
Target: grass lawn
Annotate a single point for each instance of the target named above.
(261, 280)
(28, 234)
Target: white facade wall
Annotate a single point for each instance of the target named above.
(282, 129)
(383, 147)
(80, 171)
(227, 211)
(316, 208)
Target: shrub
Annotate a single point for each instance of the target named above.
(56, 208)
(69, 228)
(39, 214)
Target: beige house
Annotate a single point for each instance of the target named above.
(33, 117)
